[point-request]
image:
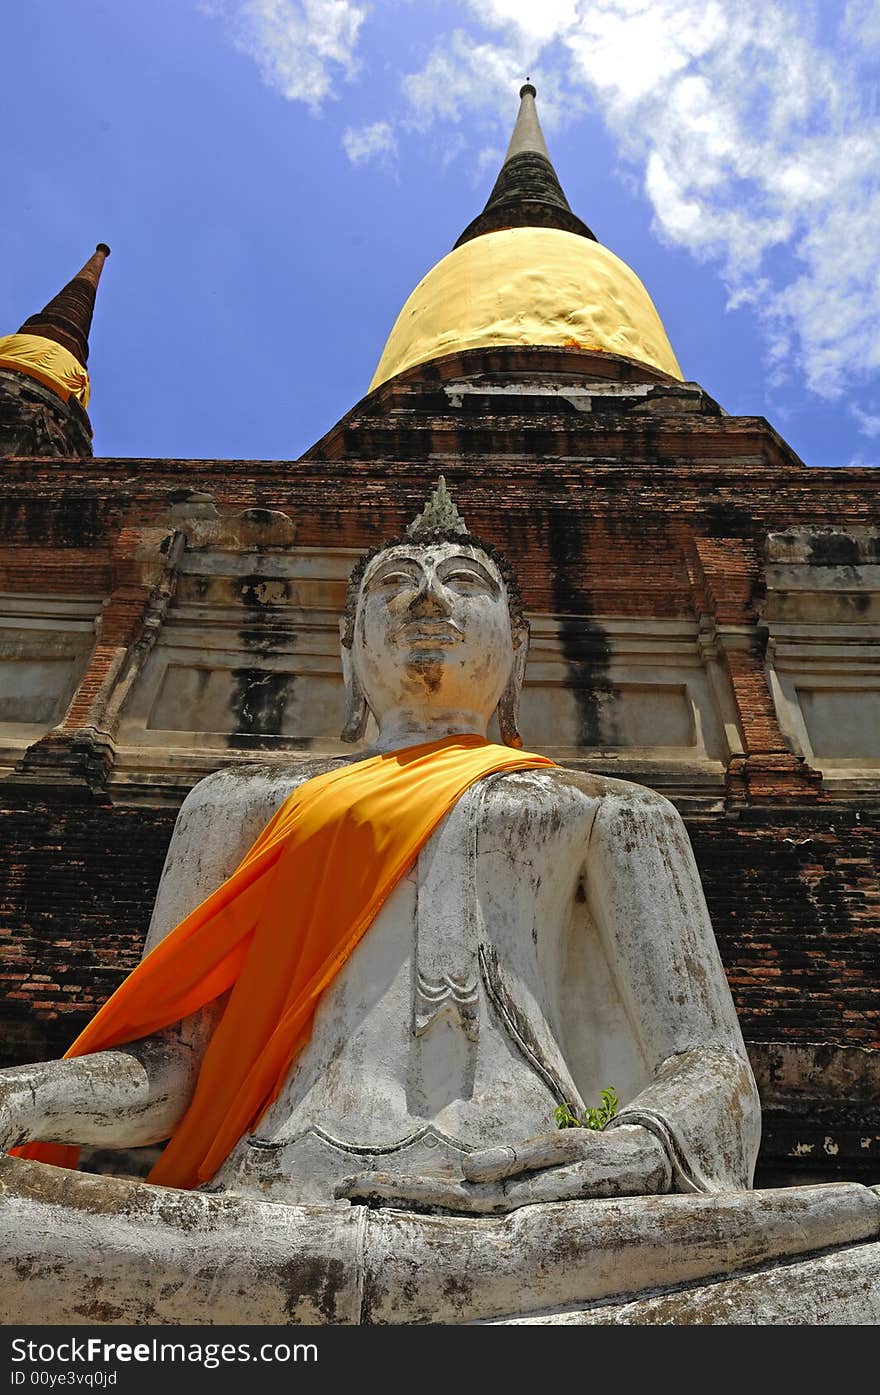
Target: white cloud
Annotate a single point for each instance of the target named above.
(463, 75)
(363, 143)
(749, 134)
(869, 424)
(862, 21)
(300, 46)
(468, 76)
(753, 131)
(533, 25)
(489, 158)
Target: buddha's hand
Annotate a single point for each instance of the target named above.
(568, 1165)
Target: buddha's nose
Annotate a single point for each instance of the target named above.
(432, 598)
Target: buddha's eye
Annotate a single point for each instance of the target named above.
(467, 580)
(394, 581)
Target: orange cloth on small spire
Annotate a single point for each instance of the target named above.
(278, 931)
(50, 363)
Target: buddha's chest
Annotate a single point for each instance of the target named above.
(419, 1050)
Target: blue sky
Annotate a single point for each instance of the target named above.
(274, 177)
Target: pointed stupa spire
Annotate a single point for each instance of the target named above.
(527, 192)
(527, 135)
(68, 317)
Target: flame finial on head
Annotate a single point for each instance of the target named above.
(438, 516)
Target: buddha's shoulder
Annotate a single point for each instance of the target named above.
(570, 789)
(269, 783)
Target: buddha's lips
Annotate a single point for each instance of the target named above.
(428, 632)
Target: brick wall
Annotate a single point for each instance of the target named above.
(77, 885)
(795, 903)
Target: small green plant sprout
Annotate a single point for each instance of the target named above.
(592, 1118)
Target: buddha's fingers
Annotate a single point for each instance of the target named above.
(638, 1168)
(546, 1150)
(431, 1193)
(626, 1161)
(574, 1183)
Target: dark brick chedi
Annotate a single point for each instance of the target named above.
(35, 419)
(67, 318)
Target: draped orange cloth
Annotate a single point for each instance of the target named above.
(277, 931)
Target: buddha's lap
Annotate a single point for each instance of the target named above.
(76, 1244)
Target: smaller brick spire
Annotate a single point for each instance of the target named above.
(527, 192)
(68, 317)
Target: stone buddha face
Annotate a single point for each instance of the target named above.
(432, 646)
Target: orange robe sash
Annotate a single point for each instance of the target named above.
(277, 932)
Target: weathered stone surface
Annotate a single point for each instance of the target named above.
(837, 1289)
(35, 421)
(820, 1112)
(94, 1249)
(74, 1246)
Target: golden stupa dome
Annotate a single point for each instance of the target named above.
(528, 286)
(527, 271)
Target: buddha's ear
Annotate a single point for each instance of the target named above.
(355, 720)
(508, 703)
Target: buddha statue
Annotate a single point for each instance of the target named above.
(548, 939)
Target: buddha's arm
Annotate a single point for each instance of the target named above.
(122, 1098)
(647, 900)
(137, 1093)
